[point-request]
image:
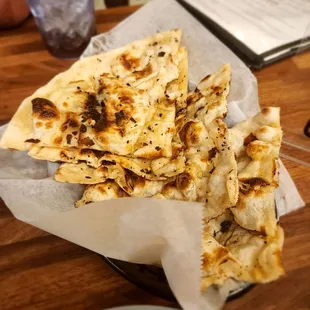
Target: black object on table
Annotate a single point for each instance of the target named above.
(153, 279)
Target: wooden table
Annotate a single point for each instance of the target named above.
(41, 271)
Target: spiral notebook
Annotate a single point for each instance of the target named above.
(260, 31)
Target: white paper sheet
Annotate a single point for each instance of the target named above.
(138, 230)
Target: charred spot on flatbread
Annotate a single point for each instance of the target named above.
(120, 117)
(257, 182)
(32, 141)
(44, 109)
(212, 153)
(193, 97)
(190, 133)
(129, 62)
(225, 225)
(57, 140)
(87, 142)
(91, 108)
(247, 140)
(70, 122)
(144, 72)
(183, 181)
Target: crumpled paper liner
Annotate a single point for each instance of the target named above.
(135, 229)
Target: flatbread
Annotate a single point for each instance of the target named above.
(208, 100)
(155, 140)
(123, 124)
(140, 167)
(210, 171)
(99, 192)
(247, 236)
(210, 174)
(218, 264)
(68, 155)
(141, 187)
(81, 173)
(223, 182)
(119, 168)
(111, 119)
(111, 189)
(170, 166)
(206, 151)
(265, 127)
(256, 142)
(87, 98)
(256, 209)
(259, 255)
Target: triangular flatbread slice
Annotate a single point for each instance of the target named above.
(252, 254)
(258, 255)
(155, 140)
(99, 192)
(112, 167)
(218, 264)
(81, 173)
(67, 155)
(256, 142)
(210, 174)
(155, 133)
(104, 100)
(208, 100)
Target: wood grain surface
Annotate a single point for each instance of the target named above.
(41, 271)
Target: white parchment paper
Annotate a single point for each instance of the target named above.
(140, 230)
